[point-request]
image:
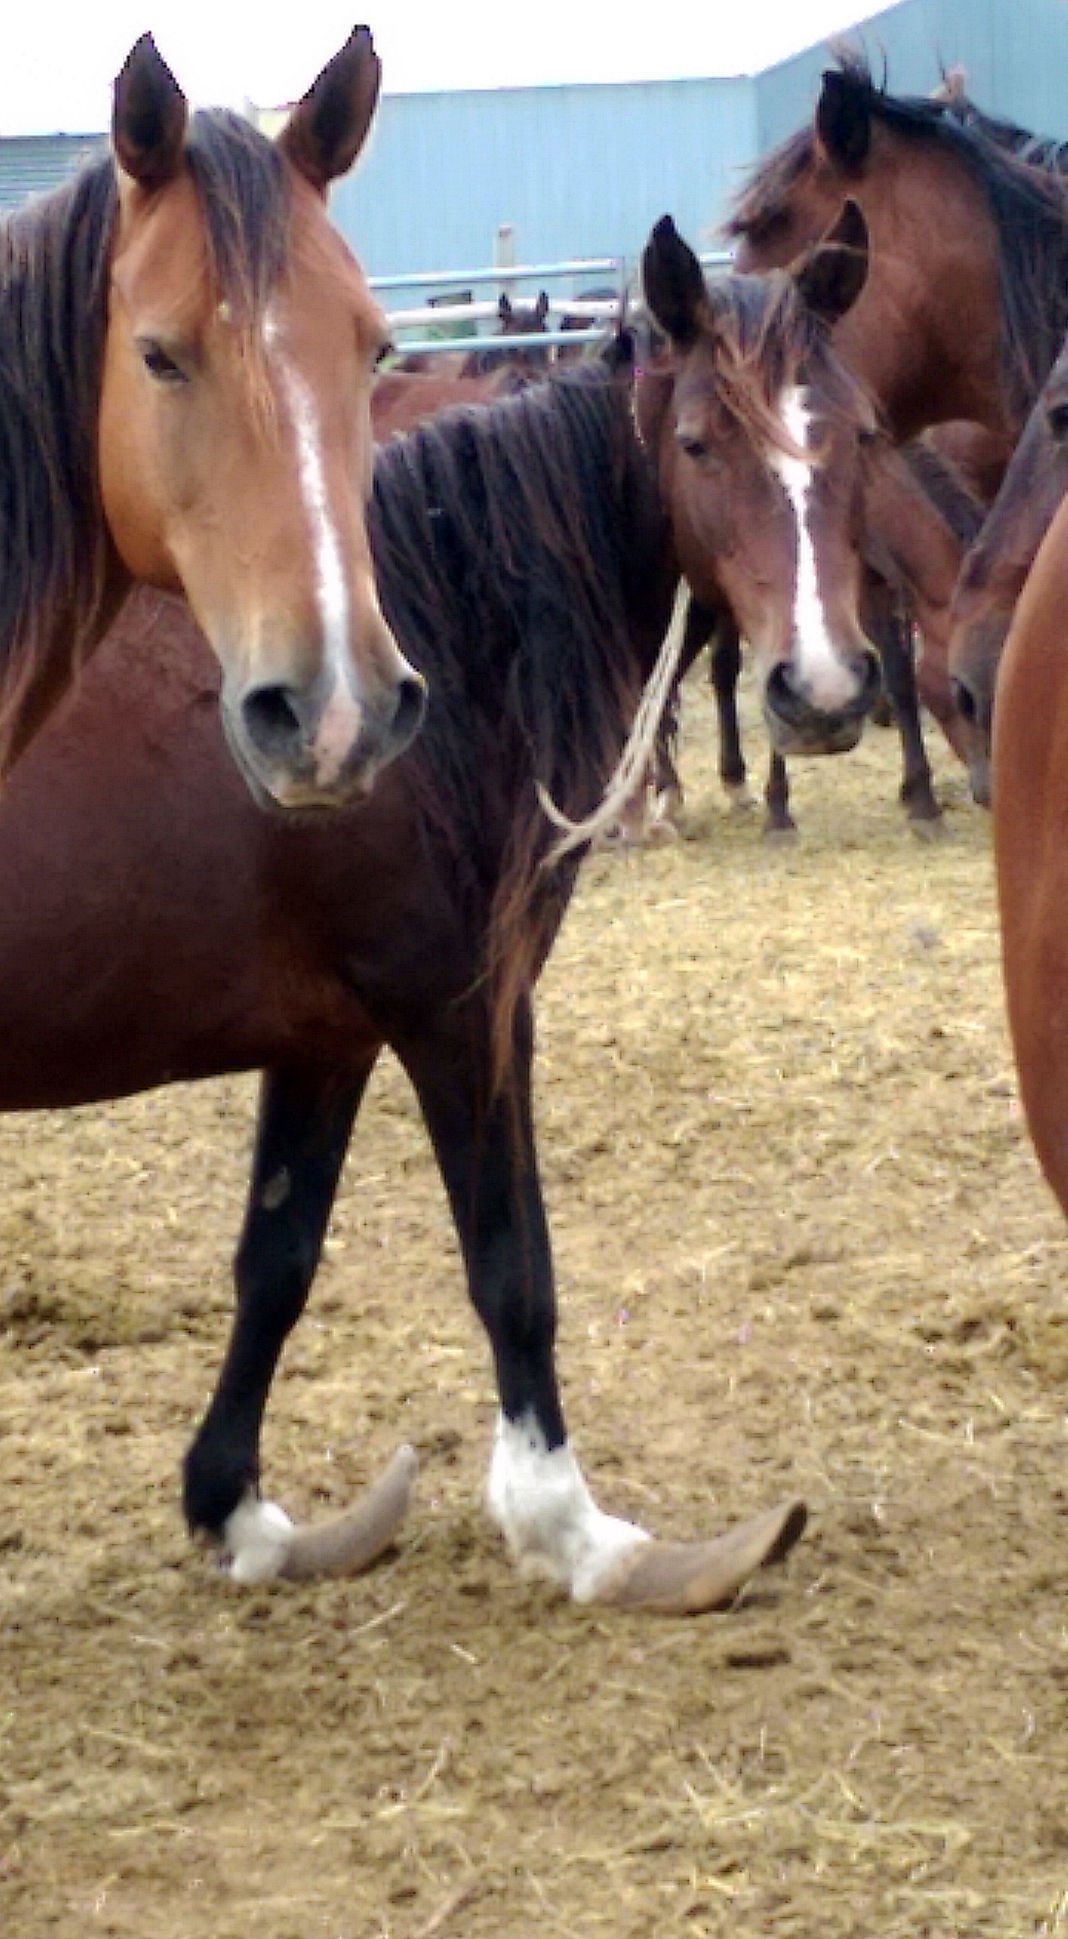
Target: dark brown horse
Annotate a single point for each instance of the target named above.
(168, 931)
(514, 320)
(996, 567)
(186, 352)
(967, 302)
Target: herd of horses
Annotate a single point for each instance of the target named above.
(422, 608)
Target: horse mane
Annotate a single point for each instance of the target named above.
(945, 487)
(1028, 207)
(1038, 151)
(54, 279)
(521, 558)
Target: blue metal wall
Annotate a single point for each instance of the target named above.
(578, 171)
(586, 170)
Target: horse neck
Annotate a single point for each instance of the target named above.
(925, 333)
(918, 539)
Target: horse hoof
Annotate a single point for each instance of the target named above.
(357, 1538)
(689, 1578)
(742, 801)
(781, 837)
(928, 830)
(663, 829)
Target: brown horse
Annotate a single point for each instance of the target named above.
(186, 353)
(746, 532)
(996, 566)
(967, 302)
(919, 517)
(525, 562)
(401, 399)
(514, 320)
(1030, 819)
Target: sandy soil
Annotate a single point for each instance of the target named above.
(802, 1246)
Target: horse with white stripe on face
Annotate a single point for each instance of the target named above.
(761, 438)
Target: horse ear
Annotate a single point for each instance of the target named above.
(504, 307)
(831, 276)
(328, 127)
(541, 307)
(843, 120)
(673, 283)
(148, 117)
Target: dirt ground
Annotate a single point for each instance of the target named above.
(802, 1247)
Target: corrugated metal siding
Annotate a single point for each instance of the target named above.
(577, 170)
(33, 164)
(586, 170)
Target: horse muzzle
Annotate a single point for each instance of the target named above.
(797, 725)
(321, 746)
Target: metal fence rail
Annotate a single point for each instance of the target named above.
(450, 320)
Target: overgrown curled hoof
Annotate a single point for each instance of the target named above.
(690, 1578)
(357, 1538)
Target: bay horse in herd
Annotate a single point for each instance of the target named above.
(528, 564)
(996, 566)
(966, 305)
(909, 525)
(186, 355)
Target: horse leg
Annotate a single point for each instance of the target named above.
(305, 1120)
(726, 667)
(537, 1493)
(779, 824)
(896, 651)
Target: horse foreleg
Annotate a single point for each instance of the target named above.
(305, 1120)
(537, 1492)
(917, 793)
(726, 667)
(779, 824)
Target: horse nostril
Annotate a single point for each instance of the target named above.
(964, 700)
(271, 719)
(779, 684)
(409, 712)
(870, 673)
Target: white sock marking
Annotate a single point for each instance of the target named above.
(830, 685)
(552, 1525)
(256, 1538)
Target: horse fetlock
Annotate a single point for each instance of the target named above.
(539, 1499)
(256, 1540)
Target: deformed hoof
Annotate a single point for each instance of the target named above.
(356, 1539)
(688, 1578)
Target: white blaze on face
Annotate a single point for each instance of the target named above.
(825, 681)
(539, 1498)
(340, 720)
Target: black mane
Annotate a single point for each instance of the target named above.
(521, 560)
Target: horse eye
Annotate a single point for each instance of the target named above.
(1057, 419)
(693, 446)
(159, 364)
